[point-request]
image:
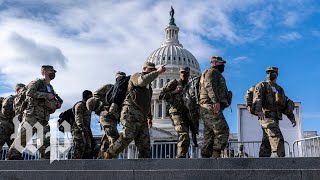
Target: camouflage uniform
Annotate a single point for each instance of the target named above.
(107, 121)
(19, 103)
(270, 99)
(81, 131)
(135, 112)
(6, 125)
(178, 114)
(38, 110)
(213, 89)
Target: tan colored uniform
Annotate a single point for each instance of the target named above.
(37, 111)
(178, 114)
(107, 122)
(271, 100)
(213, 89)
(6, 125)
(81, 131)
(135, 111)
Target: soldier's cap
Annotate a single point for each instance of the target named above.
(150, 65)
(184, 69)
(48, 67)
(86, 93)
(272, 68)
(120, 73)
(217, 59)
(19, 85)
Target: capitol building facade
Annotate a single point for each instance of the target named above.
(174, 56)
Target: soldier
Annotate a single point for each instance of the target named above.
(109, 117)
(6, 116)
(99, 105)
(42, 101)
(20, 102)
(81, 128)
(136, 115)
(241, 153)
(214, 98)
(174, 93)
(270, 102)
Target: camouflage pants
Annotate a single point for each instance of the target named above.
(182, 130)
(81, 145)
(6, 130)
(111, 133)
(14, 153)
(272, 139)
(216, 132)
(135, 127)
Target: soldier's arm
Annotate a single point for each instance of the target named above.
(143, 80)
(102, 91)
(211, 84)
(289, 114)
(166, 91)
(78, 115)
(258, 97)
(33, 91)
(7, 106)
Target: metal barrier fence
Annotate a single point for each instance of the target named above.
(168, 150)
(308, 147)
(250, 149)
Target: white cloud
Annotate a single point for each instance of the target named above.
(291, 36)
(291, 18)
(88, 42)
(316, 33)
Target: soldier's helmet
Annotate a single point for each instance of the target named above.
(272, 68)
(185, 69)
(19, 85)
(120, 73)
(92, 104)
(150, 65)
(217, 59)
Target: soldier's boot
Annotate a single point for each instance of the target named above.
(216, 153)
(274, 154)
(106, 155)
(13, 154)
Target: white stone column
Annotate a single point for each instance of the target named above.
(163, 110)
(154, 109)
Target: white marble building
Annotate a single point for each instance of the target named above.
(174, 56)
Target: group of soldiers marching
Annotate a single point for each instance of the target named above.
(128, 101)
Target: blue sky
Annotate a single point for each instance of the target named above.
(88, 41)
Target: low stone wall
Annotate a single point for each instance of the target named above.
(164, 169)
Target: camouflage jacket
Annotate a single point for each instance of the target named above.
(176, 101)
(37, 97)
(101, 93)
(270, 98)
(7, 107)
(213, 88)
(82, 117)
(140, 92)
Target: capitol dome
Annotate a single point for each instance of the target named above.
(172, 52)
(174, 56)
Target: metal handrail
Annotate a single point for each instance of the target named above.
(308, 147)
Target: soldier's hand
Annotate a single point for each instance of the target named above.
(58, 105)
(50, 96)
(161, 69)
(260, 115)
(216, 108)
(294, 123)
(149, 123)
(177, 90)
